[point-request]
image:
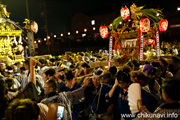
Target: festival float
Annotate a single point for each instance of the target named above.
(135, 30)
(13, 37)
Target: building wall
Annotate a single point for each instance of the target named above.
(81, 21)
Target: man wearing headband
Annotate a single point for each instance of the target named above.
(95, 94)
(8, 71)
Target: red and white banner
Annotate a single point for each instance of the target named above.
(110, 50)
(158, 45)
(141, 46)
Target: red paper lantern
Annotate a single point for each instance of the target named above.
(144, 25)
(125, 13)
(34, 27)
(103, 31)
(163, 24)
(151, 42)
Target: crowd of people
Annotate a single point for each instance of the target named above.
(29, 89)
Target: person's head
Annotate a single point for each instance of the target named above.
(22, 69)
(14, 68)
(10, 82)
(164, 64)
(149, 70)
(67, 55)
(48, 73)
(158, 72)
(69, 78)
(113, 70)
(3, 88)
(170, 89)
(8, 70)
(22, 109)
(139, 77)
(52, 61)
(176, 61)
(123, 78)
(50, 86)
(2, 66)
(41, 62)
(97, 77)
(80, 55)
(26, 64)
(136, 64)
(85, 65)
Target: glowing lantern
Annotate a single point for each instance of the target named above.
(163, 24)
(151, 42)
(144, 25)
(34, 27)
(104, 31)
(125, 13)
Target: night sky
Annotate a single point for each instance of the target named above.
(60, 12)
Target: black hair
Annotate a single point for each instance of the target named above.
(124, 76)
(85, 65)
(9, 68)
(42, 61)
(98, 72)
(22, 109)
(53, 83)
(69, 75)
(113, 70)
(164, 61)
(57, 58)
(171, 88)
(139, 77)
(50, 71)
(52, 59)
(71, 66)
(22, 68)
(9, 81)
(176, 59)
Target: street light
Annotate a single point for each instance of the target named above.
(45, 39)
(69, 33)
(178, 8)
(94, 28)
(48, 37)
(61, 35)
(54, 36)
(39, 41)
(77, 31)
(85, 30)
(83, 35)
(92, 22)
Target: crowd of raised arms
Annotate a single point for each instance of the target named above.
(88, 89)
